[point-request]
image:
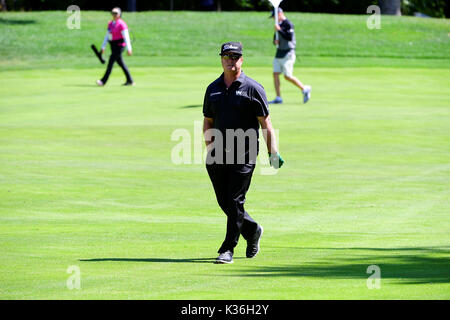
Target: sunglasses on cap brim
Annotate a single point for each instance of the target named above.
(234, 56)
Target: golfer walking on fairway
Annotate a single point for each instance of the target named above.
(285, 57)
(118, 38)
(234, 107)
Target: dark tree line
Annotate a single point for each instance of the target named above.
(434, 8)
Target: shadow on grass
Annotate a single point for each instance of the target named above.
(18, 22)
(416, 267)
(432, 249)
(405, 265)
(165, 260)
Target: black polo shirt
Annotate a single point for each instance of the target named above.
(236, 107)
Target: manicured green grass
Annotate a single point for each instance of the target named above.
(41, 39)
(87, 180)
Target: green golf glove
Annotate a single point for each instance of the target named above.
(276, 160)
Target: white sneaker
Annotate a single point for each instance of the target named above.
(225, 257)
(306, 94)
(99, 83)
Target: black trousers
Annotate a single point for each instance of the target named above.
(231, 183)
(116, 56)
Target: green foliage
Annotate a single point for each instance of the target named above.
(432, 8)
(243, 4)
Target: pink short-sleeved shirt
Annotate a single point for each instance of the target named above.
(116, 28)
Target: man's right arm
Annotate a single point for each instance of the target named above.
(208, 123)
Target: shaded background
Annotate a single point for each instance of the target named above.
(433, 8)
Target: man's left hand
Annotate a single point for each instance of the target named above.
(276, 160)
(129, 52)
(277, 27)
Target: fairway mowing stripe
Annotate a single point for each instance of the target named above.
(372, 187)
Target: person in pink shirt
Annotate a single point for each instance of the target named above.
(118, 38)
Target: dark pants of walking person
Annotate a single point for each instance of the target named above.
(231, 183)
(116, 56)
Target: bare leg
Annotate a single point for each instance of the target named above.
(276, 81)
(295, 81)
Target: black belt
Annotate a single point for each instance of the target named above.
(116, 42)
